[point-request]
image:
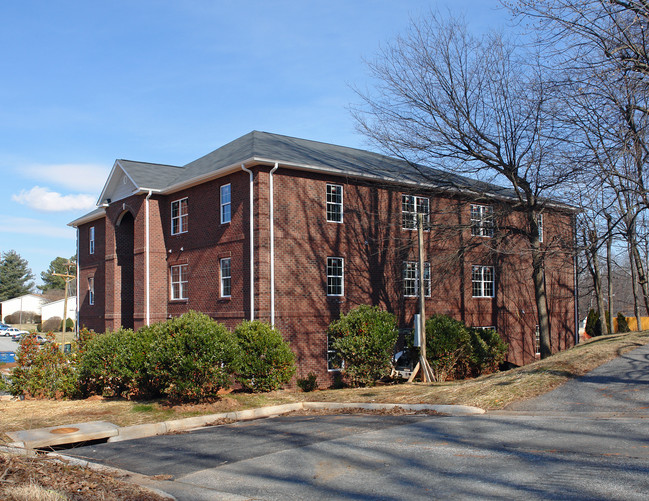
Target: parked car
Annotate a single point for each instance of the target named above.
(3, 329)
(16, 333)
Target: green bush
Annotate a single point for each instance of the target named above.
(309, 383)
(43, 371)
(69, 325)
(622, 324)
(364, 339)
(448, 347)
(193, 357)
(110, 364)
(488, 351)
(593, 327)
(455, 351)
(265, 361)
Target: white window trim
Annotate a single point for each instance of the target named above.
(182, 228)
(483, 282)
(91, 290)
(183, 283)
(539, 223)
(479, 225)
(340, 204)
(415, 199)
(341, 276)
(224, 277)
(427, 284)
(91, 240)
(226, 204)
(330, 352)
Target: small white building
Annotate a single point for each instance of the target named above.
(55, 309)
(28, 303)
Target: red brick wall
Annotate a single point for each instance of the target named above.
(371, 241)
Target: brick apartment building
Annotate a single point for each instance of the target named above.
(294, 232)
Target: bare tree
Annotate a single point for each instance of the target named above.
(473, 105)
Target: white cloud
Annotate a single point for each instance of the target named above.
(78, 177)
(30, 226)
(43, 199)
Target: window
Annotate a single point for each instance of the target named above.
(334, 360)
(91, 290)
(91, 240)
(179, 212)
(537, 341)
(410, 207)
(482, 278)
(226, 277)
(226, 206)
(334, 203)
(335, 284)
(539, 223)
(179, 282)
(482, 221)
(411, 279)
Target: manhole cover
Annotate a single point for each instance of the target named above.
(63, 431)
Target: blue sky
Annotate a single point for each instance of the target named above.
(85, 83)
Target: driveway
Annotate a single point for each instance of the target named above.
(586, 440)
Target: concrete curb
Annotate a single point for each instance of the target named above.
(193, 423)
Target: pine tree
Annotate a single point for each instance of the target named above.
(62, 266)
(16, 278)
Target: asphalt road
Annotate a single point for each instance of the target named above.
(587, 440)
(6, 344)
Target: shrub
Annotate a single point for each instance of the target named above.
(364, 339)
(111, 364)
(448, 347)
(52, 324)
(43, 371)
(309, 383)
(488, 351)
(622, 324)
(265, 361)
(193, 357)
(69, 325)
(455, 351)
(593, 327)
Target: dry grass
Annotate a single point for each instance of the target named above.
(493, 391)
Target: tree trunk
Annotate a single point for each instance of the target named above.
(609, 272)
(636, 309)
(540, 295)
(592, 258)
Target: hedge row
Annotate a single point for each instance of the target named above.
(186, 359)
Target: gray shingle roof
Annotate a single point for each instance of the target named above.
(337, 160)
(148, 175)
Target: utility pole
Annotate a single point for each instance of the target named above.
(426, 372)
(68, 278)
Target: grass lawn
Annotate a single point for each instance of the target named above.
(494, 391)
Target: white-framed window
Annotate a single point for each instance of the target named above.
(179, 281)
(91, 240)
(537, 340)
(411, 279)
(539, 223)
(411, 206)
(226, 277)
(179, 216)
(226, 203)
(482, 281)
(91, 290)
(335, 276)
(482, 221)
(334, 203)
(334, 360)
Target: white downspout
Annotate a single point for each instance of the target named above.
(272, 248)
(76, 320)
(148, 262)
(252, 246)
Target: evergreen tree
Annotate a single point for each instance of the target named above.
(16, 278)
(62, 266)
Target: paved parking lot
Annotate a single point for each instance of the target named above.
(6, 344)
